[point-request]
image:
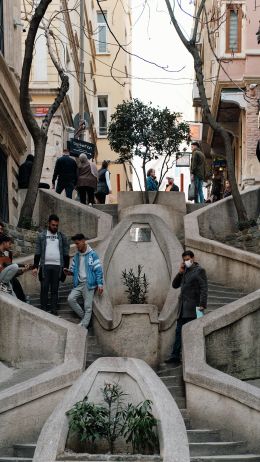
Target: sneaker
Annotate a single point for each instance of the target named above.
(5, 288)
(172, 360)
(81, 324)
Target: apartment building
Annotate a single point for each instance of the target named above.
(101, 92)
(13, 135)
(231, 66)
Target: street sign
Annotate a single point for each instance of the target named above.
(183, 159)
(77, 147)
(195, 131)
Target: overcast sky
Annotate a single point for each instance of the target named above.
(155, 39)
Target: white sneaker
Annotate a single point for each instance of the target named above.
(4, 288)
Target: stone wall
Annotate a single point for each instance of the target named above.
(24, 240)
(235, 349)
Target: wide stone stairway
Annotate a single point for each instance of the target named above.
(205, 444)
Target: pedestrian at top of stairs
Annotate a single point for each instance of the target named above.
(51, 256)
(66, 172)
(104, 185)
(198, 170)
(86, 182)
(192, 279)
(87, 275)
(151, 182)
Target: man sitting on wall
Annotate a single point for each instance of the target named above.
(87, 277)
(8, 270)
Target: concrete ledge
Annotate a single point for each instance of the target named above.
(203, 226)
(174, 200)
(140, 382)
(35, 338)
(231, 404)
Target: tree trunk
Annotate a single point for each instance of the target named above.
(145, 193)
(25, 219)
(243, 221)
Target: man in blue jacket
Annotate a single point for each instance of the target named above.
(87, 275)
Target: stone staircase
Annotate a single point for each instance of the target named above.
(206, 445)
(218, 295)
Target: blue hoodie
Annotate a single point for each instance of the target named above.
(94, 270)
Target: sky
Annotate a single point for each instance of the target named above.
(155, 39)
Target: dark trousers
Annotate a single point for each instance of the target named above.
(50, 279)
(85, 191)
(101, 197)
(176, 349)
(69, 187)
(18, 290)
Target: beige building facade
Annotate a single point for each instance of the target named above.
(231, 58)
(102, 91)
(13, 135)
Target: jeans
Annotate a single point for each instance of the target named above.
(176, 349)
(69, 187)
(199, 198)
(88, 294)
(7, 274)
(50, 279)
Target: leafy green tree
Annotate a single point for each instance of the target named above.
(140, 130)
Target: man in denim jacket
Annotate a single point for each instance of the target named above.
(87, 277)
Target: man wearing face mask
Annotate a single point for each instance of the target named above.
(192, 280)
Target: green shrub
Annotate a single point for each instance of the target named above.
(137, 285)
(114, 419)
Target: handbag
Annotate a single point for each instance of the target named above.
(192, 191)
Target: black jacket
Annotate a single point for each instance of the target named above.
(66, 170)
(194, 290)
(24, 174)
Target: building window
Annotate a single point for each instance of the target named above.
(233, 29)
(101, 33)
(102, 115)
(1, 27)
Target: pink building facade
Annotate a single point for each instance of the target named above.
(231, 64)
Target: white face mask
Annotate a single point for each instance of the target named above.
(188, 263)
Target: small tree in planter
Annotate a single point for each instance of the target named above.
(137, 285)
(113, 420)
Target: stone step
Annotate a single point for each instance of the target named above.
(177, 391)
(220, 299)
(172, 380)
(15, 459)
(24, 450)
(180, 401)
(222, 288)
(228, 458)
(203, 435)
(213, 292)
(221, 448)
(167, 369)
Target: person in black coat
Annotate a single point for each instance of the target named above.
(66, 172)
(25, 171)
(192, 280)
